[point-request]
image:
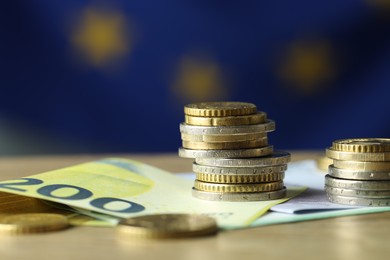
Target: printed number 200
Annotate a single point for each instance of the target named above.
(81, 194)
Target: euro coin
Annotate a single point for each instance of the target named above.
(354, 201)
(223, 138)
(355, 156)
(239, 153)
(225, 145)
(257, 118)
(356, 184)
(220, 109)
(238, 170)
(362, 145)
(358, 193)
(358, 175)
(277, 158)
(362, 166)
(167, 226)
(240, 178)
(239, 196)
(267, 126)
(323, 163)
(32, 223)
(231, 188)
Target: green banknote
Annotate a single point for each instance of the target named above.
(115, 188)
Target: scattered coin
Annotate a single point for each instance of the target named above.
(239, 196)
(32, 223)
(168, 226)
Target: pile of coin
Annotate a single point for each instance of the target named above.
(233, 160)
(360, 173)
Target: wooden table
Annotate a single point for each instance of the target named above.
(349, 238)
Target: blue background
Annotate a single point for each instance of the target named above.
(319, 69)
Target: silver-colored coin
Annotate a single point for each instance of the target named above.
(356, 185)
(358, 193)
(353, 201)
(239, 197)
(277, 158)
(357, 175)
(238, 170)
(240, 153)
(362, 166)
(268, 126)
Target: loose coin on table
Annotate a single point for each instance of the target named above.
(239, 196)
(32, 223)
(168, 226)
(216, 109)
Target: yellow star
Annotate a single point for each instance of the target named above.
(101, 36)
(308, 66)
(199, 79)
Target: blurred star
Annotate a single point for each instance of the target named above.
(101, 36)
(199, 79)
(308, 66)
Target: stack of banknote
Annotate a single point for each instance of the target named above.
(360, 173)
(233, 160)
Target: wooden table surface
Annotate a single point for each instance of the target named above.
(349, 238)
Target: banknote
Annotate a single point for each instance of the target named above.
(114, 188)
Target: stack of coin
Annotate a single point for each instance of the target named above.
(360, 173)
(233, 160)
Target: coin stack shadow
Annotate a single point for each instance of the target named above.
(360, 173)
(233, 160)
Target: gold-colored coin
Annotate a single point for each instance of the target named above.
(223, 138)
(253, 187)
(168, 226)
(258, 118)
(32, 223)
(362, 166)
(225, 145)
(323, 163)
(240, 178)
(362, 145)
(354, 156)
(219, 109)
